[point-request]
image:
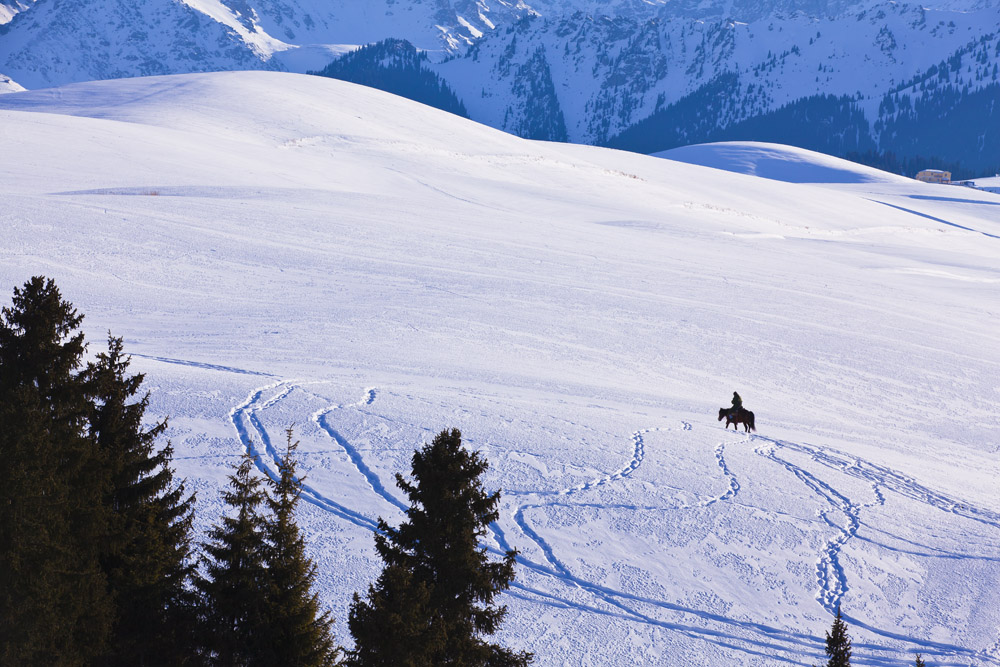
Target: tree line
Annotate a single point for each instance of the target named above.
(99, 565)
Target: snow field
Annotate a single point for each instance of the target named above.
(282, 250)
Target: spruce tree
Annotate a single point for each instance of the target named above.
(838, 643)
(54, 603)
(299, 634)
(234, 592)
(147, 560)
(919, 662)
(434, 601)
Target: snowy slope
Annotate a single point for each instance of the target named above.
(778, 162)
(625, 73)
(8, 85)
(371, 271)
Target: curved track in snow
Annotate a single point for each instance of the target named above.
(843, 516)
(832, 580)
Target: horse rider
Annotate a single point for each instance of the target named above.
(737, 404)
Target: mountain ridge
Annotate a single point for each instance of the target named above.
(557, 70)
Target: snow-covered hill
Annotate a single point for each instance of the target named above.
(843, 76)
(371, 271)
(780, 163)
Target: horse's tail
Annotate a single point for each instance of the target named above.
(752, 427)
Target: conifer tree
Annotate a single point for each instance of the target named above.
(147, 560)
(234, 592)
(299, 635)
(434, 600)
(919, 662)
(393, 627)
(838, 643)
(54, 604)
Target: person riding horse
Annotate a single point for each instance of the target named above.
(737, 415)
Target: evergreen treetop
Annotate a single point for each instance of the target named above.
(53, 595)
(300, 635)
(147, 559)
(435, 598)
(234, 602)
(40, 344)
(838, 643)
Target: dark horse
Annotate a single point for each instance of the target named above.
(737, 416)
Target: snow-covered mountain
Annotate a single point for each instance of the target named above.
(8, 8)
(7, 85)
(607, 74)
(60, 41)
(278, 249)
(56, 42)
(589, 80)
(895, 85)
(848, 77)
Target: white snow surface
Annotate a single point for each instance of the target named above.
(988, 182)
(8, 85)
(280, 250)
(10, 8)
(779, 162)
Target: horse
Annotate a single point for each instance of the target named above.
(736, 416)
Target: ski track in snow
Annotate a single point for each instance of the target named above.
(199, 364)
(830, 575)
(320, 418)
(935, 219)
(243, 419)
(773, 638)
(757, 639)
